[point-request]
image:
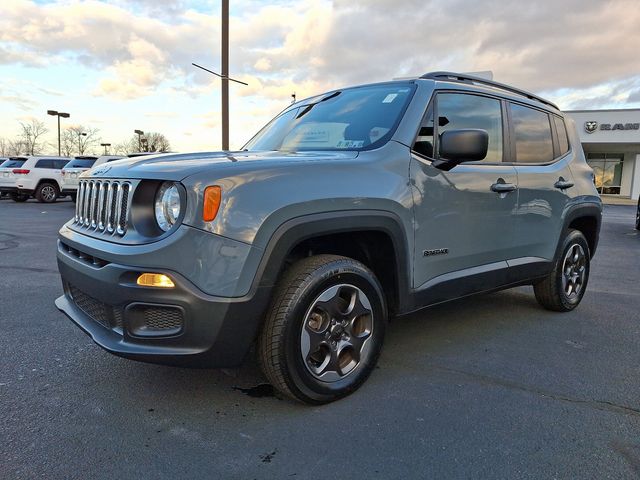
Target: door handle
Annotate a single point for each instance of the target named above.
(501, 187)
(563, 184)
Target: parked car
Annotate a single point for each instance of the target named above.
(71, 171)
(8, 178)
(37, 176)
(2, 161)
(638, 215)
(347, 209)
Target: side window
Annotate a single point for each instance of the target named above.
(59, 164)
(563, 141)
(532, 135)
(457, 110)
(424, 142)
(44, 164)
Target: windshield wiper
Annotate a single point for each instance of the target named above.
(308, 108)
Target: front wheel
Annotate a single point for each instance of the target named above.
(46, 192)
(324, 330)
(563, 289)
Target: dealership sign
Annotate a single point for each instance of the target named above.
(592, 126)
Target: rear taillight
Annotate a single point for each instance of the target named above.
(21, 171)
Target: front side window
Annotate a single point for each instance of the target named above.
(456, 111)
(353, 119)
(532, 130)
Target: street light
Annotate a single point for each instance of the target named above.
(58, 114)
(139, 133)
(105, 145)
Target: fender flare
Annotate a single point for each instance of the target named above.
(585, 209)
(298, 229)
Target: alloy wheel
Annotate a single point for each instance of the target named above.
(574, 271)
(336, 331)
(48, 193)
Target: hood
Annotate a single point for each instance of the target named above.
(179, 166)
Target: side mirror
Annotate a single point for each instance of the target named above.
(462, 145)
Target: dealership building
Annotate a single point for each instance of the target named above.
(611, 143)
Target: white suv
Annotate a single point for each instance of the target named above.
(72, 171)
(8, 177)
(40, 177)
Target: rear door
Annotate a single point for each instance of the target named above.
(464, 217)
(541, 152)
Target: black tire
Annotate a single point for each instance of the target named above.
(73, 197)
(638, 216)
(19, 197)
(280, 345)
(563, 289)
(47, 192)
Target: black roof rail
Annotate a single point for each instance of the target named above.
(463, 77)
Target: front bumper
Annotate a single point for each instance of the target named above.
(178, 326)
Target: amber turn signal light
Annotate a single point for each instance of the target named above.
(155, 280)
(212, 197)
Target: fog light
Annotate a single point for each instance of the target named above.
(155, 280)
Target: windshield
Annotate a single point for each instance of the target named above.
(81, 163)
(358, 118)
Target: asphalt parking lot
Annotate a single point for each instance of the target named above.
(488, 387)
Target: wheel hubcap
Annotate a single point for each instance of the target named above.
(48, 193)
(574, 271)
(336, 332)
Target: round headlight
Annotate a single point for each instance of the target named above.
(167, 205)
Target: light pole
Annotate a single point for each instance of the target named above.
(145, 143)
(105, 145)
(139, 133)
(55, 113)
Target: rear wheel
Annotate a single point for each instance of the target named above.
(563, 289)
(46, 192)
(324, 330)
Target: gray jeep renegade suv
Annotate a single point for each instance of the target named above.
(347, 209)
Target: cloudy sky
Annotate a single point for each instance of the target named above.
(120, 65)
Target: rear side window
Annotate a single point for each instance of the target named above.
(457, 111)
(532, 134)
(563, 141)
(60, 163)
(44, 164)
(81, 163)
(13, 164)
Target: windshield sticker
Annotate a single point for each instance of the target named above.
(315, 136)
(350, 144)
(390, 98)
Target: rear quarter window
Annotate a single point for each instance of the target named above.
(563, 140)
(80, 163)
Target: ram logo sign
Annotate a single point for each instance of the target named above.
(590, 127)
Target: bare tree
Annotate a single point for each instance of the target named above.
(80, 139)
(157, 142)
(4, 147)
(15, 148)
(31, 136)
(151, 142)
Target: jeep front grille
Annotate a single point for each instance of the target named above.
(103, 205)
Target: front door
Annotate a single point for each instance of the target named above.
(464, 217)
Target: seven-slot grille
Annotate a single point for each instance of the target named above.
(103, 205)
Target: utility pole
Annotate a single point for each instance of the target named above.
(105, 145)
(225, 74)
